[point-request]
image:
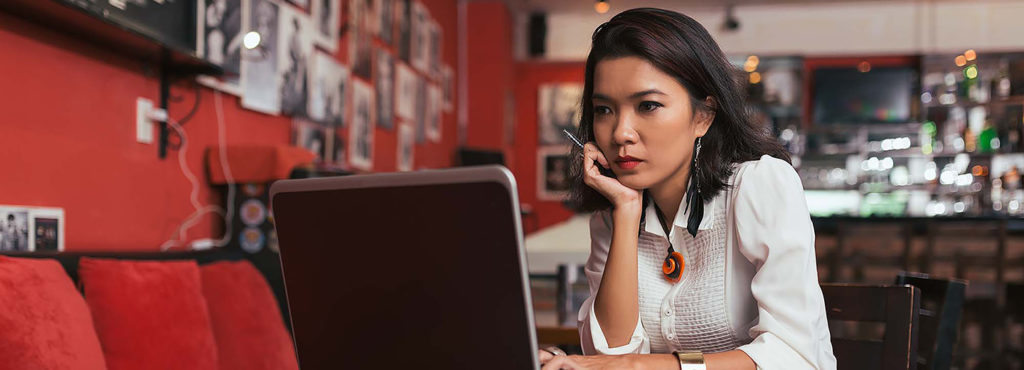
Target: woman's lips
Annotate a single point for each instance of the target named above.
(627, 163)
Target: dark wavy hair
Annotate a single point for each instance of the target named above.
(677, 45)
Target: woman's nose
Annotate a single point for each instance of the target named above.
(624, 132)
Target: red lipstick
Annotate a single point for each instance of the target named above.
(627, 162)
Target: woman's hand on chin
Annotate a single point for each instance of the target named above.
(618, 194)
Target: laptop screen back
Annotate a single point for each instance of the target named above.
(406, 275)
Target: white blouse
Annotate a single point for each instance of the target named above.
(750, 281)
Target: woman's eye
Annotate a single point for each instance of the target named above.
(649, 106)
(601, 110)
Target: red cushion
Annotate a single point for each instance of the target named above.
(247, 323)
(44, 323)
(149, 314)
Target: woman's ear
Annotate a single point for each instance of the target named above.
(704, 117)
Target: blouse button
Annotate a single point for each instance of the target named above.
(668, 313)
(671, 336)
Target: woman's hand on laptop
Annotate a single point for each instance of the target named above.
(551, 362)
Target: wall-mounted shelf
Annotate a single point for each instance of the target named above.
(92, 24)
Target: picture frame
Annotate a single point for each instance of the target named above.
(326, 16)
(553, 173)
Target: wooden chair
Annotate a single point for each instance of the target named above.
(942, 303)
(896, 307)
(558, 336)
(1015, 316)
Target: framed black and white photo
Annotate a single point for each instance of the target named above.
(433, 113)
(296, 45)
(406, 88)
(360, 140)
(327, 23)
(385, 19)
(327, 93)
(403, 18)
(384, 81)
(312, 137)
(337, 111)
(552, 173)
(420, 38)
(219, 25)
(448, 88)
(46, 229)
(421, 110)
(360, 31)
(558, 108)
(260, 85)
(14, 230)
(406, 141)
(434, 63)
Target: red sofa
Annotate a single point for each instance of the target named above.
(183, 310)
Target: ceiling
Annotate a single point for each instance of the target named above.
(587, 6)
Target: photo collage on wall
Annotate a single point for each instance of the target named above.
(31, 229)
(284, 57)
(558, 108)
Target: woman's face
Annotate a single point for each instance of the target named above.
(644, 113)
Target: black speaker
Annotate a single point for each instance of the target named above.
(538, 34)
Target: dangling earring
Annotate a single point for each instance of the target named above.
(693, 199)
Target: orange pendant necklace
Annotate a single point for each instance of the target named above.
(674, 263)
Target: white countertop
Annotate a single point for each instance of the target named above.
(566, 242)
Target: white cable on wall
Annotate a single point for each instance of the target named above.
(193, 195)
(201, 210)
(222, 147)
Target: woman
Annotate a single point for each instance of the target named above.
(733, 285)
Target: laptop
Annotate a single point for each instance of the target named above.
(406, 270)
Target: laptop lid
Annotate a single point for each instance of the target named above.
(419, 269)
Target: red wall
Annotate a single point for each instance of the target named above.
(528, 78)
(490, 73)
(67, 137)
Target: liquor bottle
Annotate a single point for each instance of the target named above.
(988, 139)
(1011, 124)
(1002, 82)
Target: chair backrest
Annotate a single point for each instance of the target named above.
(1014, 321)
(942, 303)
(558, 336)
(867, 306)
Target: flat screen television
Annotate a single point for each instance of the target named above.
(849, 96)
(478, 157)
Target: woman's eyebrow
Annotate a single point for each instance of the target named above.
(631, 96)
